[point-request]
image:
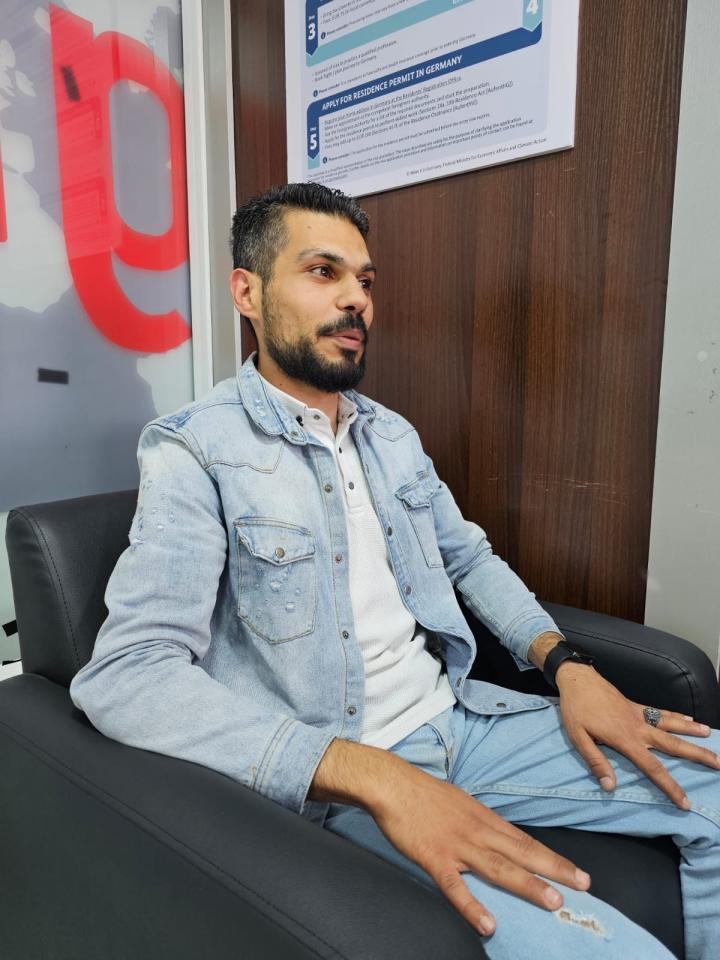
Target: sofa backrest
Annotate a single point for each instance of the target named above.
(61, 557)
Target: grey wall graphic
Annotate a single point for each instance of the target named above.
(75, 432)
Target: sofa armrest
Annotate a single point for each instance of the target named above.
(108, 850)
(648, 665)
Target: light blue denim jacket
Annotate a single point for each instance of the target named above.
(230, 639)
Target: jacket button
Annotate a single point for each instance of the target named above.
(279, 552)
(408, 588)
(352, 711)
(500, 704)
(338, 558)
(345, 634)
(389, 531)
(328, 488)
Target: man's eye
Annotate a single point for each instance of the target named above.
(324, 270)
(366, 283)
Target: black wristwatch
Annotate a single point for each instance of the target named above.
(559, 654)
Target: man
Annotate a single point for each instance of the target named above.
(286, 614)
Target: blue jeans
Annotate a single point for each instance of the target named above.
(524, 767)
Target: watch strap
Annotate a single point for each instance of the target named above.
(560, 653)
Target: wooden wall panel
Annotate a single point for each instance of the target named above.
(569, 329)
(519, 309)
(258, 52)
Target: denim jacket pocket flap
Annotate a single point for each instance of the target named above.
(277, 597)
(418, 492)
(416, 498)
(275, 541)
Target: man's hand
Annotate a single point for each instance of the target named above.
(594, 711)
(444, 830)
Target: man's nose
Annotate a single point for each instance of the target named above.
(353, 298)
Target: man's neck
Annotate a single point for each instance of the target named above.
(310, 396)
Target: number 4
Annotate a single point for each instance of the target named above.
(532, 7)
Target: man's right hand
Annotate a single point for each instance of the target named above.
(444, 830)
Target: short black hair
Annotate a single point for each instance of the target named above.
(258, 226)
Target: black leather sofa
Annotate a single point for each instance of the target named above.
(108, 852)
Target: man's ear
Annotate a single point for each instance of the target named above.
(246, 290)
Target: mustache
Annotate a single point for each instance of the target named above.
(348, 321)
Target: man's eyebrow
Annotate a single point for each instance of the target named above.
(311, 252)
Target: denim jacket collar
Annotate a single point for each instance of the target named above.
(270, 415)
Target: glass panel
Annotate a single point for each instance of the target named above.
(95, 333)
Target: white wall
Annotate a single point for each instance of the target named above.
(683, 593)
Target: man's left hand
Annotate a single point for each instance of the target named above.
(594, 711)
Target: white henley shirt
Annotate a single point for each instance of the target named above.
(405, 685)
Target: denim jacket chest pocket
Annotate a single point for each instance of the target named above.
(276, 572)
(416, 498)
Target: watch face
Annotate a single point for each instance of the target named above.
(579, 652)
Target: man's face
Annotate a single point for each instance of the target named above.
(317, 307)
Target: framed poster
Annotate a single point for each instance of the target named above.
(385, 93)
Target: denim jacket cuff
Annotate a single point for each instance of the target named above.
(290, 762)
(519, 636)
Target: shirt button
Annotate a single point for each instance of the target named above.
(338, 558)
(328, 488)
(345, 634)
(279, 552)
(351, 485)
(408, 588)
(500, 704)
(389, 531)
(352, 711)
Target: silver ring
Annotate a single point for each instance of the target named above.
(652, 716)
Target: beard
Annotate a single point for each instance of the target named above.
(301, 360)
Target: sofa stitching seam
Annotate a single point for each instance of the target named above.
(38, 531)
